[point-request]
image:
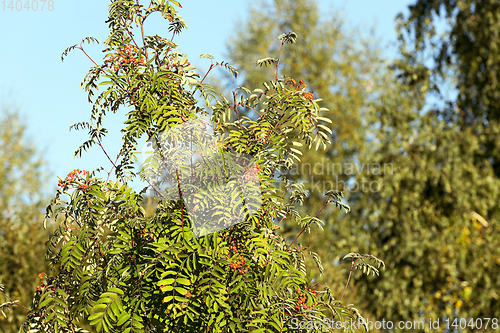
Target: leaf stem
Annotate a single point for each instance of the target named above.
(278, 62)
(350, 273)
(12, 301)
(304, 228)
(81, 48)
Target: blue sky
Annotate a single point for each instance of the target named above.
(46, 91)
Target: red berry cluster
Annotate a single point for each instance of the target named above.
(303, 299)
(309, 95)
(252, 173)
(127, 56)
(83, 186)
(40, 276)
(294, 83)
(239, 265)
(236, 248)
(262, 139)
(42, 282)
(71, 178)
(146, 235)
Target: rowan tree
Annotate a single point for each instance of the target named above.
(210, 259)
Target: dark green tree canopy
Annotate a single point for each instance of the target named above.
(469, 55)
(435, 218)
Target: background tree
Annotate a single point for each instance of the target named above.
(22, 243)
(436, 214)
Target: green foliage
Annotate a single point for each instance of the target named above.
(338, 65)
(124, 271)
(21, 242)
(469, 55)
(434, 214)
(428, 219)
(435, 217)
(343, 67)
(365, 266)
(266, 62)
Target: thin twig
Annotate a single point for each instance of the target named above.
(81, 48)
(350, 273)
(279, 59)
(12, 301)
(303, 229)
